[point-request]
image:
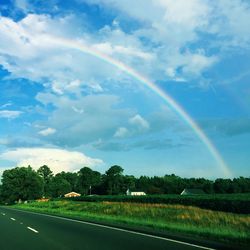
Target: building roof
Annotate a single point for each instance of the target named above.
(192, 191)
(137, 192)
(72, 193)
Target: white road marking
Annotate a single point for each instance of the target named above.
(119, 229)
(12, 218)
(3, 213)
(21, 223)
(32, 229)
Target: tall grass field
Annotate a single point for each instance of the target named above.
(189, 220)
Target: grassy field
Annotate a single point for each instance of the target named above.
(220, 226)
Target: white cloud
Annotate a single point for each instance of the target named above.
(175, 25)
(116, 35)
(172, 25)
(136, 124)
(83, 120)
(130, 51)
(231, 22)
(6, 105)
(191, 14)
(171, 72)
(10, 114)
(4, 141)
(78, 110)
(57, 159)
(23, 5)
(121, 132)
(139, 122)
(28, 48)
(197, 63)
(47, 131)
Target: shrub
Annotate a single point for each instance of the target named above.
(235, 203)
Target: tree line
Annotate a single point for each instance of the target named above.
(24, 183)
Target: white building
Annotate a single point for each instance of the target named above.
(137, 193)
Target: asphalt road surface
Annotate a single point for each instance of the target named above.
(24, 230)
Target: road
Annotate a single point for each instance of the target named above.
(24, 230)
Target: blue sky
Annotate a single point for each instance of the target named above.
(65, 108)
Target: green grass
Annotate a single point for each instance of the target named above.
(214, 225)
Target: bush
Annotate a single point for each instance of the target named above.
(235, 203)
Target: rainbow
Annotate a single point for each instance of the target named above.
(165, 96)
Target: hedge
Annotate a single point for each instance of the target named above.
(235, 203)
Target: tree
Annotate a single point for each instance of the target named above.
(58, 186)
(173, 184)
(157, 185)
(208, 187)
(128, 182)
(71, 178)
(222, 185)
(114, 179)
(88, 179)
(243, 185)
(46, 174)
(21, 183)
(1, 196)
(143, 183)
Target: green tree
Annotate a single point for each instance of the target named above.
(21, 183)
(71, 178)
(1, 196)
(58, 186)
(88, 179)
(46, 174)
(157, 185)
(243, 185)
(128, 182)
(222, 185)
(114, 179)
(173, 184)
(143, 183)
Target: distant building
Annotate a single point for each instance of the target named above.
(135, 193)
(192, 191)
(72, 194)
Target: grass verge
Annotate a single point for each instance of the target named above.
(207, 224)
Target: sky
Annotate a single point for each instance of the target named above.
(155, 86)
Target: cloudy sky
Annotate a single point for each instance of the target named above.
(68, 98)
